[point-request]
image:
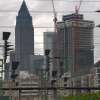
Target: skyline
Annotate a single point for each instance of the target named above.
(9, 13)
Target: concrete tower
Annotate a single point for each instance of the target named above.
(24, 38)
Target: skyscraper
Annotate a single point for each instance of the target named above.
(24, 38)
(75, 39)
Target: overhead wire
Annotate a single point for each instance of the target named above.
(13, 26)
(45, 11)
(38, 11)
(96, 43)
(48, 12)
(5, 11)
(68, 0)
(33, 26)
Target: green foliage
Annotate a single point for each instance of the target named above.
(4, 98)
(88, 96)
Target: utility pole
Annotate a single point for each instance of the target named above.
(47, 69)
(47, 76)
(6, 48)
(55, 90)
(14, 76)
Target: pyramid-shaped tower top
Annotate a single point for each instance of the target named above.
(24, 10)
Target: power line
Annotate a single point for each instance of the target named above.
(81, 46)
(68, 0)
(13, 26)
(38, 11)
(33, 27)
(52, 88)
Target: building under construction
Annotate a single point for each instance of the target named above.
(74, 45)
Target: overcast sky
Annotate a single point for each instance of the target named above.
(9, 10)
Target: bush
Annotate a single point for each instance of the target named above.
(92, 96)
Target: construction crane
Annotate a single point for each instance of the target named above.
(78, 7)
(77, 37)
(55, 16)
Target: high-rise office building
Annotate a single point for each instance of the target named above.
(24, 38)
(48, 40)
(48, 44)
(75, 49)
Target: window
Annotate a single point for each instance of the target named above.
(98, 81)
(98, 75)
(65, 85)
(65, 79)
(98, 70)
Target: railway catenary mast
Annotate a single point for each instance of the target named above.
(55, 52)
(55, 43)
